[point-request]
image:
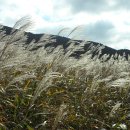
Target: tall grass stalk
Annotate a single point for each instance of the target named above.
(49, 91)
(22, 25)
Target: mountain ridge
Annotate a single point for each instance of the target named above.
(53, 41)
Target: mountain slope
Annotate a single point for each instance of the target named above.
(33, 42)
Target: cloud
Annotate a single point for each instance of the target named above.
(96, 6)
(15, 9)
(91, 6)
(123, 4)
(121, 40)
(100, 31)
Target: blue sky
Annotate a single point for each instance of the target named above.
(105, 21)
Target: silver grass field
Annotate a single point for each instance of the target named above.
(41, 91)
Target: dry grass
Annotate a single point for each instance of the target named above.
(59, 93)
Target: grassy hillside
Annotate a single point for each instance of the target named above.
(55, 92)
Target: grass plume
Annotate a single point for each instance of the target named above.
(22, 25)
(41, 91)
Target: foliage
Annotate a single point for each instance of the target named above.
(54, 92)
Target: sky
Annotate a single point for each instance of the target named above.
(103, 21)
